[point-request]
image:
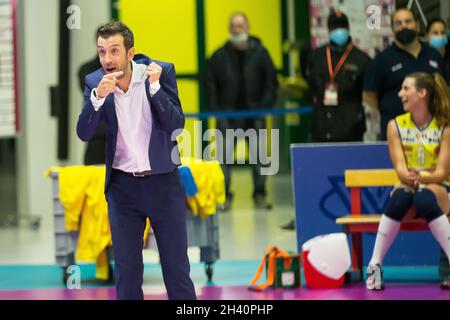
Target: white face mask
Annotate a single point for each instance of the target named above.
(238, 38)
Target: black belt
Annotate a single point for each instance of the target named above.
(135, 174)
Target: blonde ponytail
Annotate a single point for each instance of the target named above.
(441, 101)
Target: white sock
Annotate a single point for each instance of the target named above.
(387, 231)
(440, 228)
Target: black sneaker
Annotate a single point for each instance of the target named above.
(289, 226)
(260, 202)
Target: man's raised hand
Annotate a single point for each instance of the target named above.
(108, 84)
(153, 72)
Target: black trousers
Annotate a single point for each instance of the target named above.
(259, 181)
(161, 198)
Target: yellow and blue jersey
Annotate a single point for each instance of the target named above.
(420, 146)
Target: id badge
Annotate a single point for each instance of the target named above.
(330, 97)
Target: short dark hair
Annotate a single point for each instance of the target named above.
(435, 20)
(337, 19)
(402, 9)
(116, 27)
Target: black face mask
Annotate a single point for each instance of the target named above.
(406, 36)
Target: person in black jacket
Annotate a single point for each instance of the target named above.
(335, 74)
(95, 149)
(241, 76)
(386, 72)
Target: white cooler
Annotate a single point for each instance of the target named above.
(325, 260)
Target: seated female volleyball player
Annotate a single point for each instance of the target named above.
(419, 146)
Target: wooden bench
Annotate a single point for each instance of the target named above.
(357, 223)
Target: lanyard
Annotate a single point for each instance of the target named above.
(341, 62)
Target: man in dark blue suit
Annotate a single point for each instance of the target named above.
(137, 98)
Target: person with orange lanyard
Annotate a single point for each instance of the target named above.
(335, 74)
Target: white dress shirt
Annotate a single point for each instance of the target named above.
(134, 120)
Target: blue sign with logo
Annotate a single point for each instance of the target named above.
(320, 196)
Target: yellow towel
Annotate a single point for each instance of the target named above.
(210, 182)
(95, 233)
(73, 182)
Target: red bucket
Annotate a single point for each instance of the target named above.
(316, 280)
(325, 260)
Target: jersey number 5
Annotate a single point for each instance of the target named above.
(420, 156)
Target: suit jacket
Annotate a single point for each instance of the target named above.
(166, 111)
(95, 148)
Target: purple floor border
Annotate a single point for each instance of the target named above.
(351, 292)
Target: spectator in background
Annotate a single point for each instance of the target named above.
(241, 76)
(95, 149)
(335, 73)
(385, 74)
(437, 38)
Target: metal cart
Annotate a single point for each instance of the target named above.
(202, 232)
(65, 241)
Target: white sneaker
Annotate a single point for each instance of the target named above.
(374, 277)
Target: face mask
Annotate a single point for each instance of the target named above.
(339, 36)
(406, 36)
(238, 38)
(438, 42)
